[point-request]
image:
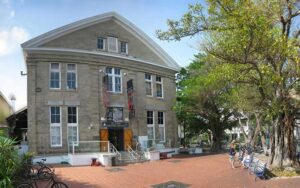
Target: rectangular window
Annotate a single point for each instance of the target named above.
(71, 76)
(112, 44)
(124, 47)
(159, 87)
(161, 126)
(148, 84)
(115, 114)
(55, 126)
(150, 126)
(73, 125)
(114, 80)
(101, 43)
(54, 75)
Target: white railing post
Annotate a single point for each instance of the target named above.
(108, 145)
(73, 148)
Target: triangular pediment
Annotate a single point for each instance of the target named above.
(83, 34)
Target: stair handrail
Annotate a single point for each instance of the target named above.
(114, 150)
(132, 153)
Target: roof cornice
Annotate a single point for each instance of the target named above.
(130, 27)
(106, 54)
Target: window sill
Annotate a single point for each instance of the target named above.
(56, 146)
(115, 93)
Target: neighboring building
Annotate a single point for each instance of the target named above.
(17, 123)
(100, 78)
(5, 111)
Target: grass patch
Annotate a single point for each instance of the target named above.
(281, 172)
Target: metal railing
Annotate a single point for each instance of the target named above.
(114, 150)
(89, 147)
(134, 155)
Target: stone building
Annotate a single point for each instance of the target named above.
(99, 78)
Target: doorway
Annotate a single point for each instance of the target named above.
(116, 137)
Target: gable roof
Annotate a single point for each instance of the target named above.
(130, 27)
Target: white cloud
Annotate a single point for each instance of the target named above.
(11, 39)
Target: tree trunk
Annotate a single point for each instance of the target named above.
(282, 141)
(216, 144)
(258, 118)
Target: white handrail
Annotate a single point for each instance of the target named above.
(114, 150)
(132, 153)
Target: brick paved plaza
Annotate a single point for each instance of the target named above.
(202, 171)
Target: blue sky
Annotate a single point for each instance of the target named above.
(21, 20)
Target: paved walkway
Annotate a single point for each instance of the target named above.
(202, 171)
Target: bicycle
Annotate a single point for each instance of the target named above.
(32, 182)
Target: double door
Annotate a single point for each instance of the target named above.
(121, 138)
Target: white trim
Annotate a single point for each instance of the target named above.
(50, 76)
(126, 46)
(104, 45)
(162, 87)
(98, 52)
(113, 75)
(151, 125)
(76, 79)
(149, 81)
(73, 125)
(162, 125)
(56, 33)
(55, 125)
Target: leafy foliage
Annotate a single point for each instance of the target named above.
(254, 45)
(9, 161)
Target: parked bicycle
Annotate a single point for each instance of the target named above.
(31, 182)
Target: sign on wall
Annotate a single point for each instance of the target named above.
(130, 97)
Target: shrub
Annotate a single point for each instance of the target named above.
(9, 161)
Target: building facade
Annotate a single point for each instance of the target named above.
(98, 79)
(5, 111)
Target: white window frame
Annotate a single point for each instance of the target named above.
(151, 125)
(117, 46)
(126, 44)
(76, 86)
(50, 70)
(113, 75)
(104, 43)
(162, 87)
(73, 125)
(149, 81)
(55, 125)
(162, 125)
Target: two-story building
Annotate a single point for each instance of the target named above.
(98, 79)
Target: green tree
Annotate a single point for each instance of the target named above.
(260, 40)
(201, 105)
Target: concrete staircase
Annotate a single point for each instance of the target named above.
(127, 158)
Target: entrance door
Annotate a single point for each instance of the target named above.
(116, 137)
(104, 137)
(128, 138)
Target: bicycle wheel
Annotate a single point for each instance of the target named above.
(24, 185)
(44, 175)
(59, 185)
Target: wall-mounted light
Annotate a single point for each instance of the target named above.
(100, 70)
(91, 126)
(103, 118)
(125, 74)
(127, 119)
